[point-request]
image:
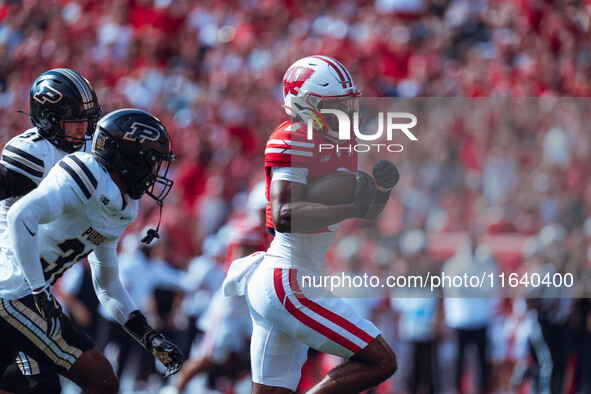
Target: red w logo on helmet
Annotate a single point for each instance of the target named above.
(295, 78)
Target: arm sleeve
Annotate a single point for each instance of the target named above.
(23, 156)
(43, 205)
(13, 184)
(107, 285)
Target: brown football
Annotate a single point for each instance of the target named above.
(333, 188)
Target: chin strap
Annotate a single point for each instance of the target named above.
(151, 234)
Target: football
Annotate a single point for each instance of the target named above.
(333, 188)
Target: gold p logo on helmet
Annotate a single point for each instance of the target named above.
(141, 132)
(47, 94)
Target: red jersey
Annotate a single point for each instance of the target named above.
(289, 146)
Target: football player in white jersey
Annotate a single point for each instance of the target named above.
(80, 210)
(286, 319)
(64, 112)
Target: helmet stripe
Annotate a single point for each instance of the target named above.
(346, 71)
(343, 69)
(330, 63)
(81, 85)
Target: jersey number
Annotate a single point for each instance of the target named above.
(73, 250)
(31, 134)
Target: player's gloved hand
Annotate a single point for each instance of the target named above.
(49, 309)
(386, 175)
(164, 351)
(167, 353)
(365, 192)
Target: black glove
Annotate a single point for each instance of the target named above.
(386, 175)
(50, 310)
(365, 192)
(164, 351)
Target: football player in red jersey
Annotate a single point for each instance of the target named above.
(286, 320)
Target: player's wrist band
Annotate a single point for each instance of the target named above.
(138, 327)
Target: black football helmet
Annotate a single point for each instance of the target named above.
(60, 95)
(137, 145)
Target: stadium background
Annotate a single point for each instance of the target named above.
(212, 70)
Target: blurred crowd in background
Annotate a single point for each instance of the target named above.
(510, 173)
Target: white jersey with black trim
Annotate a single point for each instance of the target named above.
(92, 228)
(31, 155)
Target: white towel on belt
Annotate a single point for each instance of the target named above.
(235, 282)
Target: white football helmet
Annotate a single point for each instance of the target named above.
(319, 82)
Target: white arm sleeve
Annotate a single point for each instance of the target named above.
(42, 205)
(107, 285)
(290, 174)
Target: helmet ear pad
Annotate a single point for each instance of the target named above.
(44, 120)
